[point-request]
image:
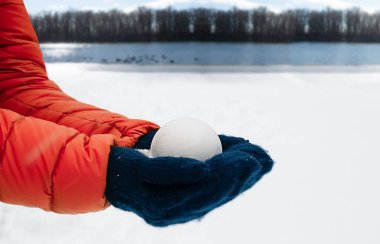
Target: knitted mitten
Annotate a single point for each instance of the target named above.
(172, 190)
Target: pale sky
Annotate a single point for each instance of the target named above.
(35, 6)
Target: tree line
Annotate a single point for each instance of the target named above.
(201, 24)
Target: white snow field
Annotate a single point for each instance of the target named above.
(321, 125)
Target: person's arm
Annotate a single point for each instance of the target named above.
(51, 167)
(26, 89)
(59, 169)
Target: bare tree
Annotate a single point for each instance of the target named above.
(181, 25)
(240, 23)
(260, 23)
(201, 21)
(223, 29)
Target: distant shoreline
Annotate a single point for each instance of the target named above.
(227, 68)
(256, 25)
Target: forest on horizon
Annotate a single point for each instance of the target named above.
(201, 24)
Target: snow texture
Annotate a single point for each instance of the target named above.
(322, 129)
(186, 137)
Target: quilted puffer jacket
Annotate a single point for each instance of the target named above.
(53, 149)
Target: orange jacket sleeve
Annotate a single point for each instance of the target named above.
(52, 167)
(26, 89)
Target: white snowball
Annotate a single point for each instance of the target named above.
(186, 137)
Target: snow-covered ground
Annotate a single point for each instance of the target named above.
(322, 129)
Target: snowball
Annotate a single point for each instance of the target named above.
(186, 137)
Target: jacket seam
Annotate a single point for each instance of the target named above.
(53, 172)
(10, 3)
(4, 147)
(70, 115)
(9, 134)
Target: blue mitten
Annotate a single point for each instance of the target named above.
(172, 190)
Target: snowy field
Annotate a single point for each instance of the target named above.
(322, 129)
